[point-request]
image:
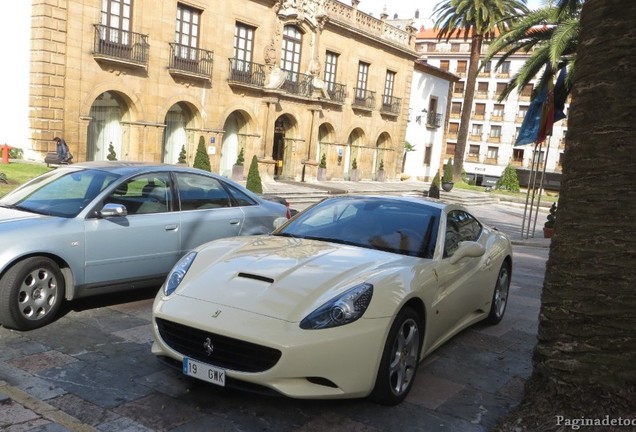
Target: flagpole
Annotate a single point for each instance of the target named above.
(534, 186)
(531, 181)
(545, 165)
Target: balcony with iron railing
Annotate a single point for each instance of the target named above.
(337, 92)
(491, 160)
(472, 158)
(298, 84)
(246, 73)
(190, 62)
(390, 105)
(433, 120)
(363, 99)
(119, 46)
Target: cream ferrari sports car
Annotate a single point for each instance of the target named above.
(342, 301)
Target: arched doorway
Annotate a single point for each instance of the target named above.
(234, 139)
(380, 154)
(175, 136)
(333, 152)
(282, 148)
(354, 144)
(106, 131)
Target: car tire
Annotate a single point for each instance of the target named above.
(31, 293)
(400, 359)
(499, 296)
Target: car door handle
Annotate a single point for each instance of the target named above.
(235, 221)
(171, 227)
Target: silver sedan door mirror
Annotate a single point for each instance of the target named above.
(113, 210)
(469, 249)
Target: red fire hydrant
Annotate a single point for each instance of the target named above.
(5, 153)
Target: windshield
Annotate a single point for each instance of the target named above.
(383, 223)
(62, 192)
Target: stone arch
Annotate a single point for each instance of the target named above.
(381, 154)
(355, 143)
(286, 134)
(108, 135)
(236, 136)
(179, 132)
(334, 152)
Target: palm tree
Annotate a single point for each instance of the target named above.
(550, 35)
(585, 358)
(477, 20)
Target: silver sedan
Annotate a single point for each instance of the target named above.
(100, 227)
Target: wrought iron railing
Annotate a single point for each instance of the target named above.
(337, 92)
(245, 72)
(434, 119)
(391, 104)
(363, 98)
(298, 84)
(119, 44)
(191, 60)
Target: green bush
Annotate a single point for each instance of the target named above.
(448, 171)
(509, 180)
(112, 156)
(551, 219)
(381, 167)
(433, 191)
(3, 178)
(253, 177)
(201, 159)
(182, 155)
(240, 159)
(16, 153)
(323, 161)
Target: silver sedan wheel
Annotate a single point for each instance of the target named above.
(31, 293)
(405, 353)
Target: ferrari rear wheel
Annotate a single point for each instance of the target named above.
(399, 359)
(500, 296)
(31, 293)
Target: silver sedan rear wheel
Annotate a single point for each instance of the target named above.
(399, 360)
(31, 293)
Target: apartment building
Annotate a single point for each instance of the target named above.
(287, 81)
(494, 125)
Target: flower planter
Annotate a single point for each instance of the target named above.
(380, 176)
(237, 173)
(321, 175)
(548, 232)
(447, 186)
(354, 175)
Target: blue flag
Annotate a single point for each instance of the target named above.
(560, 95)
(529, 130)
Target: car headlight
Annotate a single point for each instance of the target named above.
(178, 272)
(341, 310)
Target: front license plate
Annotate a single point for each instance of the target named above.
(204, 371)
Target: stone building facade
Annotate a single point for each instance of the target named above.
(287, 81)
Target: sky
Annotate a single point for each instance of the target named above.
(15, 24)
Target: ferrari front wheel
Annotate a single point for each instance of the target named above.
(31, 293)
(500, 296)
(399, 360)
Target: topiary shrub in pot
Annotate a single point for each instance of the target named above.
(548, 226)
(254, 178)
(237, 168)
(201, 159)
(447, 179)
(322, 168)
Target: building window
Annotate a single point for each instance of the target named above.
(498, 112)
(482, 89)
(523, 109)
(456, 109)
(458, 88)
(361, 84)
(444, 65)
(388, 88)
(500, 88)
(487, 67)
(116, 17)
(461, 66)
(331, 67)
(473, 153)
(187, 32)
(517, 157)
(492, 155)
(480, 110)
(290, 55)
(526, 91)
(504, 69)
(453, 128)
(476, 131)
(243, 46)
(428, 151)
(432, 118)
(495, 132)
(455, 47)
(450, 149)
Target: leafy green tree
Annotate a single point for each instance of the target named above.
(201, 158)
(509, 180)
(112, 156)
(585, 358)
(253, 177)
(433, 190)
(548, 35)
(477, 21)
(182, 155)
(448, 171)
(323, 161)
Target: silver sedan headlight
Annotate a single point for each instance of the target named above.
(178, 273)
(341, 310)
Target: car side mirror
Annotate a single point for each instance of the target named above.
(113, 210)
(468, 249)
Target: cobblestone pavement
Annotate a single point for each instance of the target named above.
(92, 369)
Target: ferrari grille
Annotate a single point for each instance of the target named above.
(217, 350)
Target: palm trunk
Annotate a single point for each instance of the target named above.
(585, 359)
(469, 96)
